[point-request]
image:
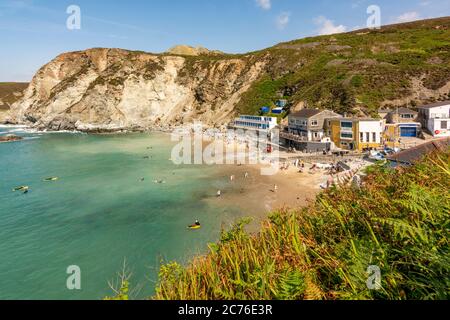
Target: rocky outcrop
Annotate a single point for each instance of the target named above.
(191, 51)
(111, 89)
(10, 138)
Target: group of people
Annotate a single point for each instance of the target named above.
(232, 178)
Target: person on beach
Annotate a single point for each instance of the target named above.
(330, 181)
(232, 178)
(219, 193)
(275, 188)
(246, 175)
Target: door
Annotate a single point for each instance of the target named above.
(408, 132)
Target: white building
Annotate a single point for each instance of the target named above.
(256, 123)
(436, 118)
(370, 131)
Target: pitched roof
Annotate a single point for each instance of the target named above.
(402, 111)
(307, 113)
(413, 155)
(357, 119)
(436, 104)
(405, 111)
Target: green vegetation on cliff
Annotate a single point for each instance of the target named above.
(357, 71)
(398, 221)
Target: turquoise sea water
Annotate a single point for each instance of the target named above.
(99, 212)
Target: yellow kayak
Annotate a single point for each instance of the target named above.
(194, 227)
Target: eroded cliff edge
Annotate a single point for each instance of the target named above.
(101, 90)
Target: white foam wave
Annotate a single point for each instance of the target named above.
(12, 126)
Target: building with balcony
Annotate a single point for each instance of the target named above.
(309, 123)
(306, 130)
(436, 118)
(256, 123)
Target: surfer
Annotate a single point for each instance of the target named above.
(24, 189)
(51, 179)
(195, 226)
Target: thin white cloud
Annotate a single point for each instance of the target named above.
(425, 3)
(407, 16)
(283, 20)
(264, 4)
(327, 26)
(357, 3)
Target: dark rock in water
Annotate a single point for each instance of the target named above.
(10, 138)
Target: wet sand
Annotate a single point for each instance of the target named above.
(255, 195)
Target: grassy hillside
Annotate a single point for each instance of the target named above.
(398, 221)
(10, 92)
(357, 71)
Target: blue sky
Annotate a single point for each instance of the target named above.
(32, 32)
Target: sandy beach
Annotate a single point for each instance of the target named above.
(258, 195)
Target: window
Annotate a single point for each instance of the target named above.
(367, 137)
(444, 125)
(407, 116)
(346, 135)
(374, 137)
(314, 123)
(347, 124)
(361, 137)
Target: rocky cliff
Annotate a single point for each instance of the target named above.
(10, 92)
(353, 73)
(113, 89)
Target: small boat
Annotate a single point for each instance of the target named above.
(194, 227)
(51, 179)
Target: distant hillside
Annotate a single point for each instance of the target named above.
(10, 92)
(353, 73)
(404, 64)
